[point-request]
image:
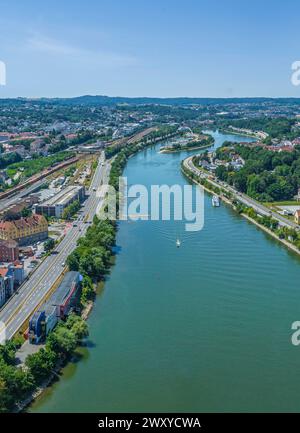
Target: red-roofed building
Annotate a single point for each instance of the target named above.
(9, 251)
(297, 216)
(25, 230)
(283, 148)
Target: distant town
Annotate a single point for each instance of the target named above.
(55, 154)
(50, 151)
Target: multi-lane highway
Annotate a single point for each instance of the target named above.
(31, 294)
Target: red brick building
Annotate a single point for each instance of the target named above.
(9, 251)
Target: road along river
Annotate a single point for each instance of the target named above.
(203, 327)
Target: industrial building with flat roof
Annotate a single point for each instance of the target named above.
(63, 300)
(65, 296)
(54, 206)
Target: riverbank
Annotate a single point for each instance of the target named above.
(229, 131)
(200, 142)
(185, 148)
(213, 191)
(265, 229)
(55, 372)
(118, 163)
(153, 345)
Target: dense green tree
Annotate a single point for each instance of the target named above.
(7, 352)
(78, 326)
(71, 210)
(15, 382)
(73, 260)
(41, 364)
(4, 396)
(87, 291)
(266, 175)
(61, 341)
(49, 244)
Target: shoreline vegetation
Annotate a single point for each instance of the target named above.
(233, 132)
(262, 174)
(93, 258)
(283, 235)
(206, 141)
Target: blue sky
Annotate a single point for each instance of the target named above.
(224, 48)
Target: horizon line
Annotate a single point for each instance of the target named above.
(147, 97)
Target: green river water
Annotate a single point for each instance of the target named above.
(204, 327)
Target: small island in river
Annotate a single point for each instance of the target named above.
(190, 141)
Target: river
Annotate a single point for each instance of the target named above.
(204, 327)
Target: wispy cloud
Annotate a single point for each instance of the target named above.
(42, 44)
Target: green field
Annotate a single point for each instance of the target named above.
(283, 203)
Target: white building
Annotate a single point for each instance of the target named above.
(55, 206)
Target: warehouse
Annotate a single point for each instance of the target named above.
(50, 318)
(54, 206)
(66, 296)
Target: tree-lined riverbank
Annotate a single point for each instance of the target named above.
(288, 237)
(154, 343)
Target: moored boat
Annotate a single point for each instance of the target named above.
(215, 201)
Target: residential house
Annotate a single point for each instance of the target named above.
(7, 274)
(297, 216)
(9, 250)
(19, 274)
